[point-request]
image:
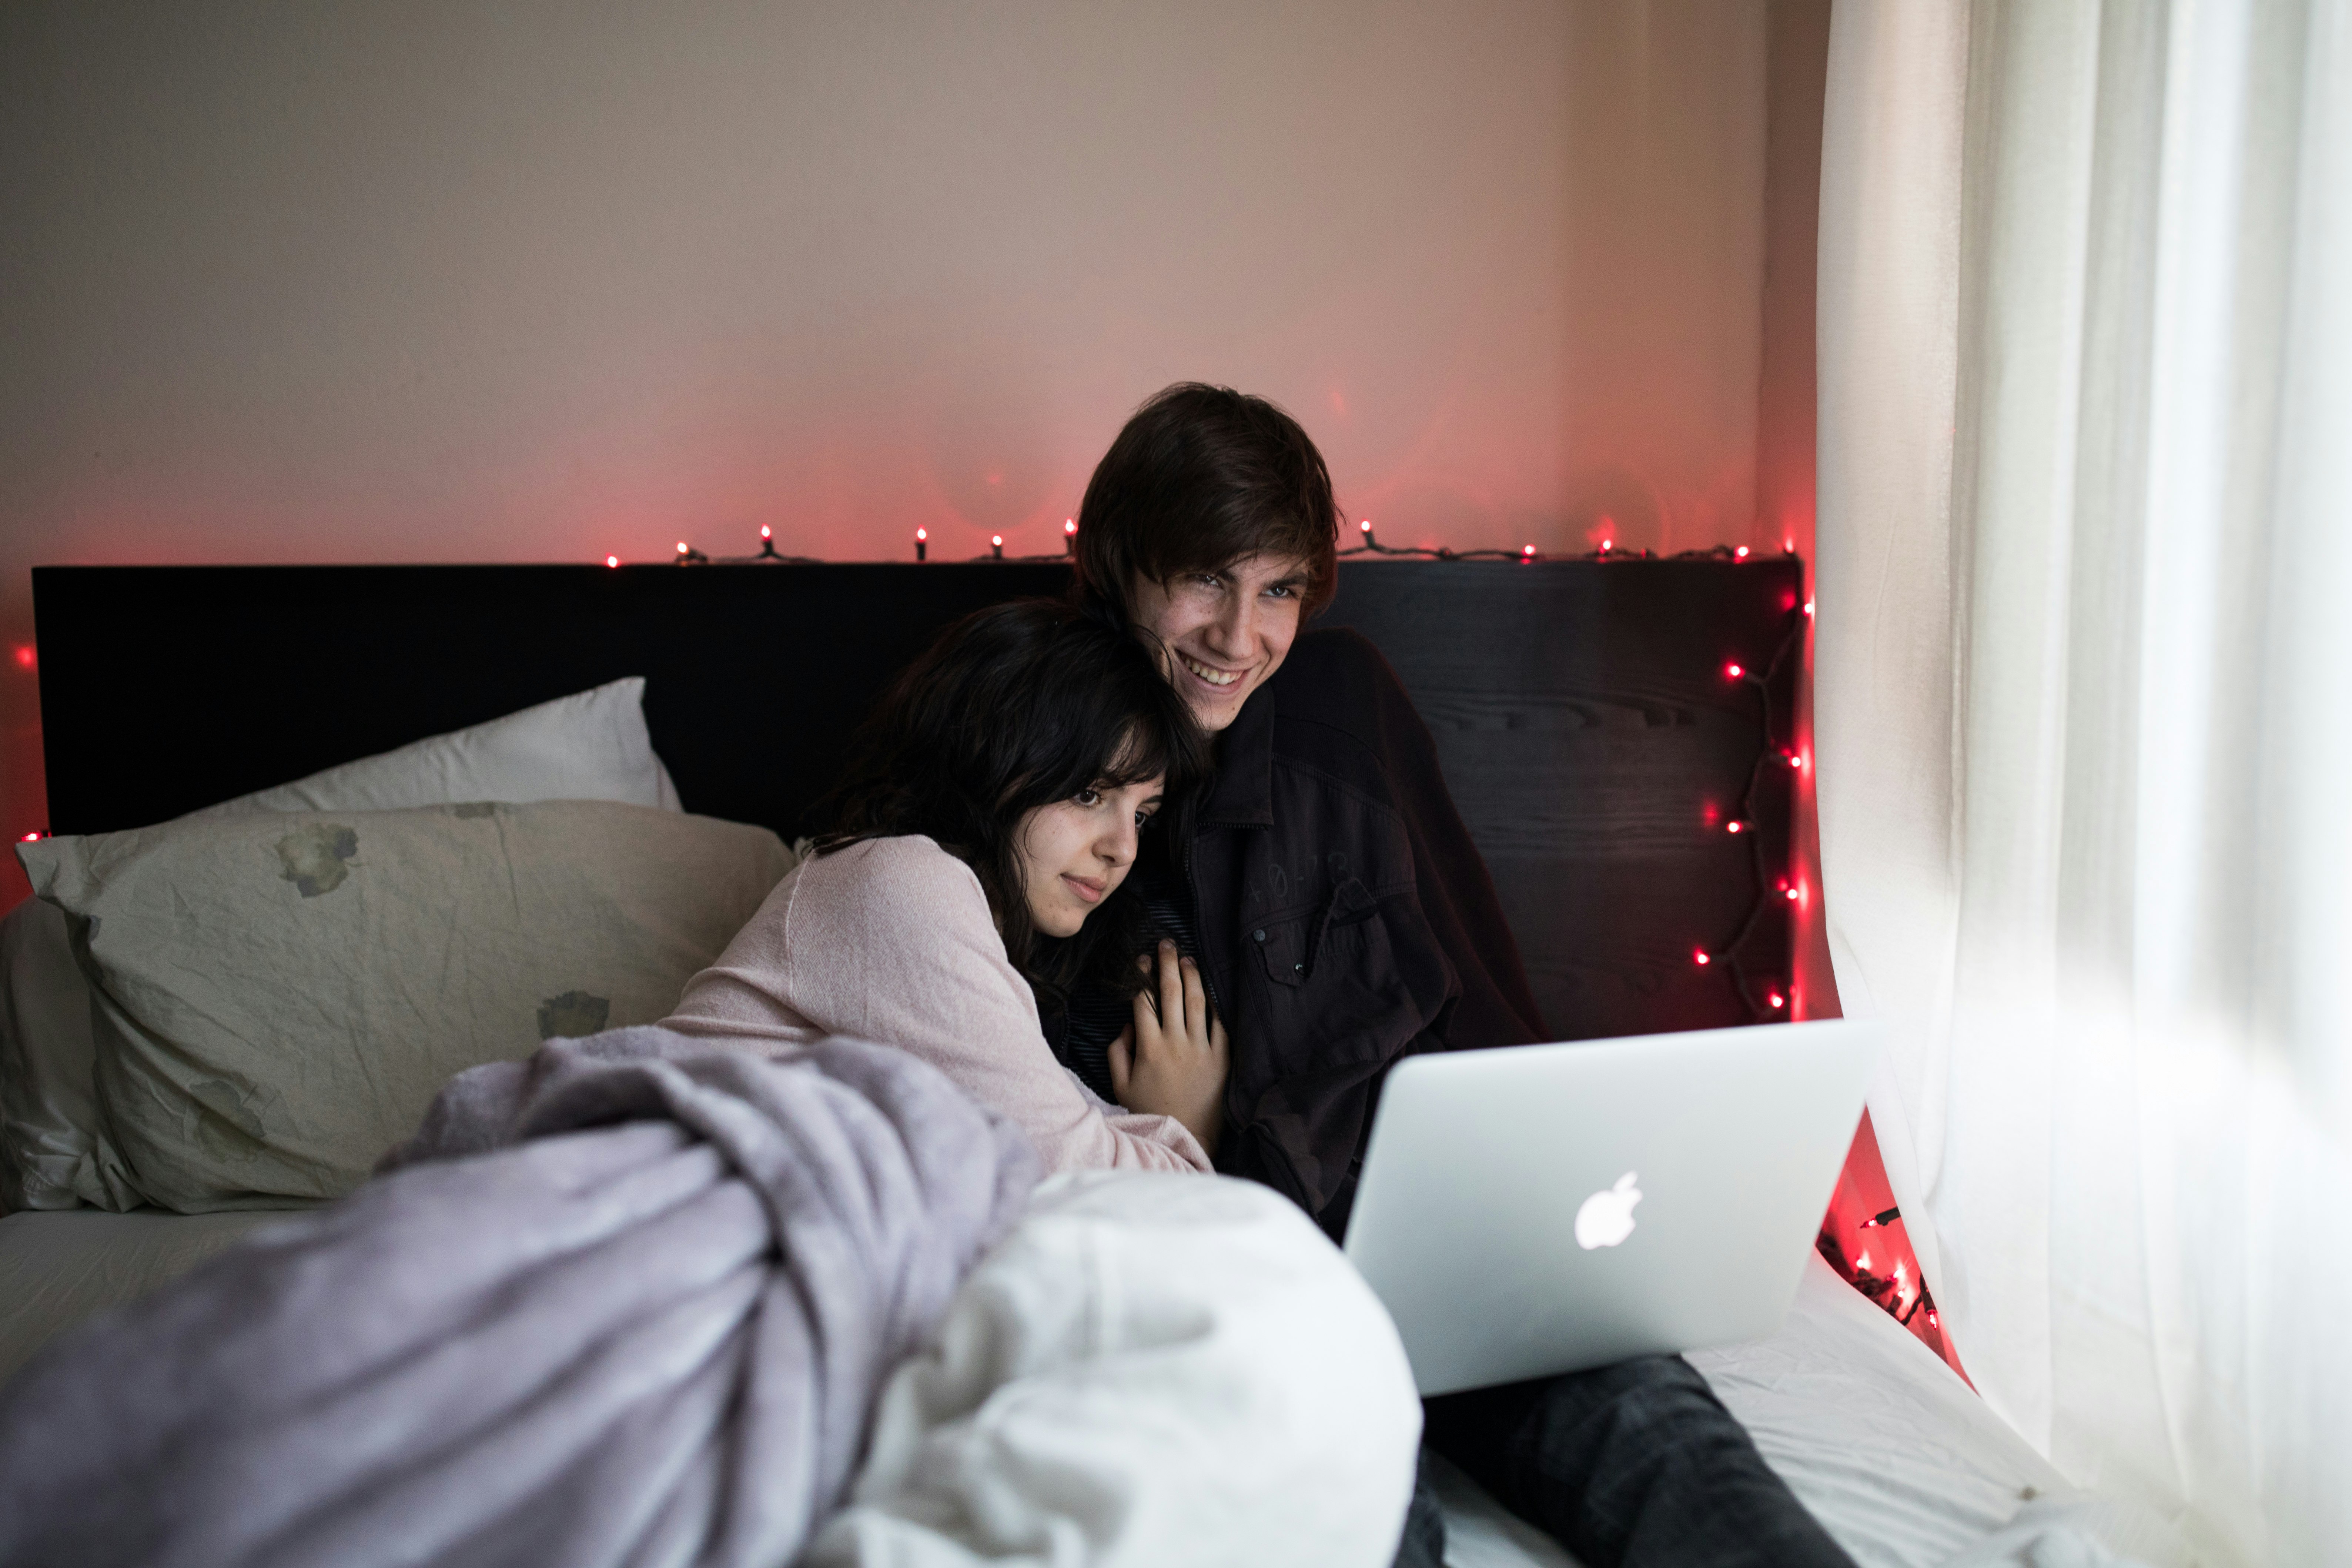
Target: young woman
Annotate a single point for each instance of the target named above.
(976, 855)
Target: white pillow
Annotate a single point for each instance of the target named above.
(279, 996)
(592, 745)
(53, 1150)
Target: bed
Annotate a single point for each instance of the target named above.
(1602, 725)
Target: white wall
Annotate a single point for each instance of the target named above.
(341, 281)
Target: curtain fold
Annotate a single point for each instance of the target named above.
(2083, 717)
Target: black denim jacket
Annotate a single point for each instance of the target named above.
(1345, 919)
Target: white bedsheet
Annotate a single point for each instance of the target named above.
(1895, 1456)
(1898, 1459)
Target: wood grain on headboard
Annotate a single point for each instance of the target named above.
(1581, 711)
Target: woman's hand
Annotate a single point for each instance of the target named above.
(1172, 1060)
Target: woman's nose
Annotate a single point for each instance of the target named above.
(1118, 846)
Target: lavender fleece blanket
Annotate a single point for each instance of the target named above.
(627, 1302)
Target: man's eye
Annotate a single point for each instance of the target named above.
(1283, 591)
(1087, 797)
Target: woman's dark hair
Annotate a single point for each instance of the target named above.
(1014, 707)
(1200, 478)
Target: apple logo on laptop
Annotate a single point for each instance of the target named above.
(1606, 1217)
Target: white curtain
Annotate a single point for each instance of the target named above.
(2084, 685)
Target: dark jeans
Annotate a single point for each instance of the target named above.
(1637, 1463)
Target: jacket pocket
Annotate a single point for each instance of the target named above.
(1290, 951)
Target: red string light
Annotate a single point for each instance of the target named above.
(1739, 554)
(1699, 957)
(996, 544)
(1766, 996)
(922, 542)
(612, 560)
(30, 839)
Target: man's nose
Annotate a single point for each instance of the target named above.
(1230, 633)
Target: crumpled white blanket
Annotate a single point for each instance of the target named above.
(1150, 1370)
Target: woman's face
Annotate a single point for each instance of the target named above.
(1073, 852)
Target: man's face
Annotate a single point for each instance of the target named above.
(1227, 631)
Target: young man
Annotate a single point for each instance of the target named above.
(1343, 919)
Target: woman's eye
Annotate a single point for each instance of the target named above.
(1089, 797)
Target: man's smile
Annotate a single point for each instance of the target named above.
(1210, 673)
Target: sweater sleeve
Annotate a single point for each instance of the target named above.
(891, 940)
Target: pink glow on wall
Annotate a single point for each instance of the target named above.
(544, 288)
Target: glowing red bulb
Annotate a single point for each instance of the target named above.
(24, 655)
(1931, 1320)
(921, 534)
(1733, 671)
(30, 839)
(1605, 545)
(1366, 526)
(1795, 760)
(1698, 956)
(766, 532)
(1069, 525)
(682, 547)
(1808, 607)
(1734, 826)
(1740, 553)
(1527, 551)
(1862, 1263)
(997, 539)
(1791, 894)
(1778, 1000)
(1788, 545)
(612, 560)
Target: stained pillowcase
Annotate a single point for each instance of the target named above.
(54, 1153)
(279, 996)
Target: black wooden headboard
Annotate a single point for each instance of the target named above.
(1583, 712)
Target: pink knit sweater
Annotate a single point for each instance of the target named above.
(891, 940)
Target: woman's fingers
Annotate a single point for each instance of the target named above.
(1122, 1064)
(1171, 989)
(1196, 1005)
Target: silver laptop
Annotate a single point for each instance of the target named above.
(1547, 1208)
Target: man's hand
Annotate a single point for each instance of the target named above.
(1172, 1060)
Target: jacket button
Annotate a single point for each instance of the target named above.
(1297, 969)
(1257, 936)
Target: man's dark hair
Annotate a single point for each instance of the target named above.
(1203, 477)
(1014, 707)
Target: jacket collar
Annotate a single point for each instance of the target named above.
(1243, 793)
